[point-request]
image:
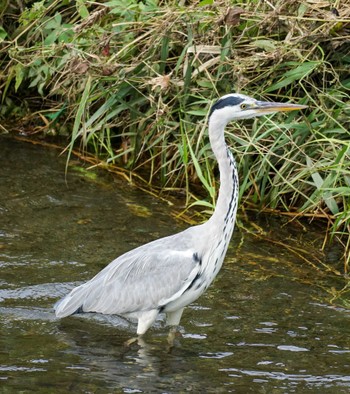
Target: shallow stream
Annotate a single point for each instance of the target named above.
(247, 334)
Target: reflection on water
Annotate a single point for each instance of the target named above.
(244, 335)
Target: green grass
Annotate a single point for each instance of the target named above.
(133, 82)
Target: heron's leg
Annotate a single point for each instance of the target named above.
(173, 318)
(140, 341)
(145, 320)
(171, 337)
(130, 341)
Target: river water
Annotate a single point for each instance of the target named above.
(249, 333)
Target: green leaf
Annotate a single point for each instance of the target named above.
(320, 185)
(54, 23)
(79, 117)
(55, 115)
(341, 190)
(3, 34)
(296, 74)
(20, 74)
(66, 35)
(197, 112)
(51, 38)
(82, 9)
(266, 45)
(208, 187)
(203, 203)
(205, 2)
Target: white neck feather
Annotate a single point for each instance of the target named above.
(224, 215)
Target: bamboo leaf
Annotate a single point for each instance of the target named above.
(199, 172)
(319, 183)
(296, 74)
(79, 118)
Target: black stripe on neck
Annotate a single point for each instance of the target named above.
(226, 102)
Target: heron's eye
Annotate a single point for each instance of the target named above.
(244, 106)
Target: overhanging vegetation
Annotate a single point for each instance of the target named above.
(133, 81)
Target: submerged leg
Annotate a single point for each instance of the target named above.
(147, 318)
(130, 341)
(145, 321)
(140, 341)
(172, 336)
(173, 319)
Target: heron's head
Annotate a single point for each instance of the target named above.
(238, 106)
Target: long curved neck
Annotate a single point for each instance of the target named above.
(224, 215)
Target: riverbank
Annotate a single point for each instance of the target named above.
(132, 83)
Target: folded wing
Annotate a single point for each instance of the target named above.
(140, 280)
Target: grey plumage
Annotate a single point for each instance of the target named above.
(169, 273)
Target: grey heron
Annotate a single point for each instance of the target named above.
(170, 273)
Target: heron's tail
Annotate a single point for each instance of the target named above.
(73, 302)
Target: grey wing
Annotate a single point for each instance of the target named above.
(143, 279)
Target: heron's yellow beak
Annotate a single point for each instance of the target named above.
(270, 107)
